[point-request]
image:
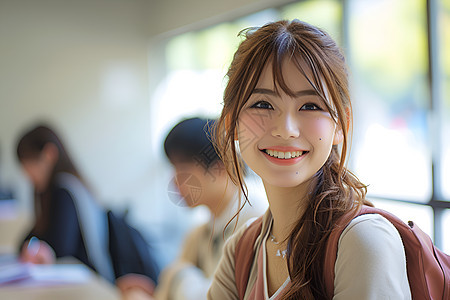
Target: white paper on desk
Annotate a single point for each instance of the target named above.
(12, 272)
(60, 273)
(29, 275)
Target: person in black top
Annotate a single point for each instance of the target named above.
(56, 226)
(70, 222)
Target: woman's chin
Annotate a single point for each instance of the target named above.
(291, 180)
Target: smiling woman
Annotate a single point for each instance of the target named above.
(288, 107)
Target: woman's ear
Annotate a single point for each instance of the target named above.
(338, 136)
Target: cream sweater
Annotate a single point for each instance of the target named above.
(371, 263)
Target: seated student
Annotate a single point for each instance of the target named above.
(68, 220)
(201, 180)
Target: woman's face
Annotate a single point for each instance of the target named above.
(39, 169)
(285, 139)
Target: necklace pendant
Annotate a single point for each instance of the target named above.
(273, 239)
(281, 253)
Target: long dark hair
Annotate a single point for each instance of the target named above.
(29, 147)
(337, 190)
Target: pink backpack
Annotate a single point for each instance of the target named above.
(428, 268)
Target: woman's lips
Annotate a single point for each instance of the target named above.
(285, 155)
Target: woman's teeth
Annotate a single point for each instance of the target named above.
(284, 155)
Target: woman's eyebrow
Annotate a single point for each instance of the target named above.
(264, 91)
(310, 92)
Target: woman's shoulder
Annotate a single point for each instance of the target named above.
(76, 188)
(371, 247)
(370, 226)
(373, 237)
(61, 196)
(68, 181)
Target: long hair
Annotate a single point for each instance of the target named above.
(29, 147)
(337, 190)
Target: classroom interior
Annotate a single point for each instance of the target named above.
(114, 76)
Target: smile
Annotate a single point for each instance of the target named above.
(285, 158)
(284, 155)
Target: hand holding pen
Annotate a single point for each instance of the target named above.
(37, 252)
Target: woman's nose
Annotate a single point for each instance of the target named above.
(286, 127)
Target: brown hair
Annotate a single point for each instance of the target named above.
(30, 146)
(337, 190)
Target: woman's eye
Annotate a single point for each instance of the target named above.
(262, 105)
(310, 106)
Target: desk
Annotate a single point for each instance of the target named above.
(93, 288)
(96, 289)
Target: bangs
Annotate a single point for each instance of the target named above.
(303, 62)
(286, 47)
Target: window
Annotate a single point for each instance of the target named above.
(325, 14)
(387, 45)
(401, 115)
(387, 41)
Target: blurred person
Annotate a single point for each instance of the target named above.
(44, 159)
(68, 220)
(201, 180)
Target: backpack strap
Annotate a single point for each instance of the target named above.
(420, 254)
(331, 251)
(244, 254)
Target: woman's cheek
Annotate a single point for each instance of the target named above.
(251, 126)
(321, 129)
(254, 121)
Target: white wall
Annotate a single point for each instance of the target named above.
(89, 68)
(82, 66)
(172, 16)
